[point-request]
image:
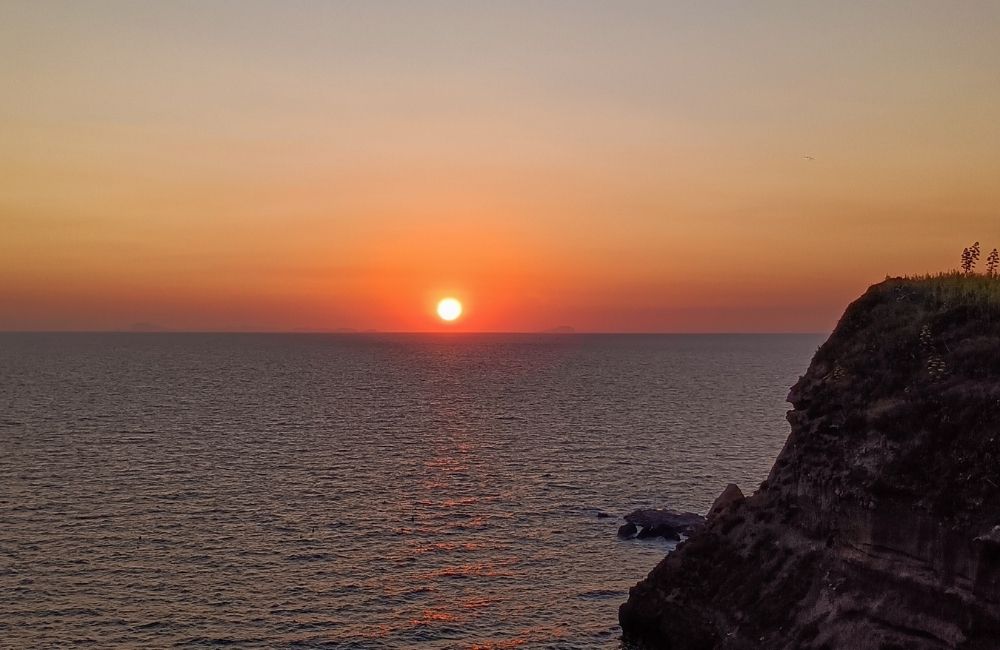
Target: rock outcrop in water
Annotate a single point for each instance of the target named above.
(877, 526)
(662, 522)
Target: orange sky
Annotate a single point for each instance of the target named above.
(609, 166)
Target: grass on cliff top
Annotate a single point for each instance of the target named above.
(914, 366)
(954, 288)
(928, 331)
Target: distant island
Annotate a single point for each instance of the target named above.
(147, 327)
(561, 329)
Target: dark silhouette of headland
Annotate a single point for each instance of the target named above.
(879, 524)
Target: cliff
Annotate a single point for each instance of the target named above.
(875, 528)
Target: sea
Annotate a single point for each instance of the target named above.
(361, 490)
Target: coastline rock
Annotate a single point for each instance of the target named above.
(663, 519)
(666, 532)
(627, 531)
(876, 527)
(729, 497)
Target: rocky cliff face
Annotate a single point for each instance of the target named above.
(875, 528)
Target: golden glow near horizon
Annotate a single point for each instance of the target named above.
(723, 166)
(449, 309)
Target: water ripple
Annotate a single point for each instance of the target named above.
(359, 491)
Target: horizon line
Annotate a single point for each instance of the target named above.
(407, 332)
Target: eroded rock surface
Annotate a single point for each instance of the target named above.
(729, 498)
(876, 526)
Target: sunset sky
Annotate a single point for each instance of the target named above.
(609, 166)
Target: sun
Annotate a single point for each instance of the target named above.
(449, 309)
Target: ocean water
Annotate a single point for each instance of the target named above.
(360, 491)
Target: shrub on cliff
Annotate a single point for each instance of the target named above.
(969, 258)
